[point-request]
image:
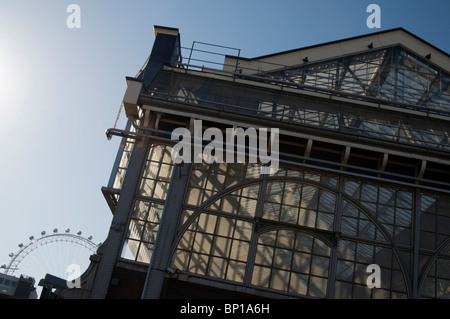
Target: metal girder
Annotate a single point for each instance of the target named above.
(380, 76)
(429, 93)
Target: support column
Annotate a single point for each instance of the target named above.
(254, 239)
(337, 229)
(416, 244)
(112, 247)
(161, 255)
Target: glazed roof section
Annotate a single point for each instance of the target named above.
(393, 67)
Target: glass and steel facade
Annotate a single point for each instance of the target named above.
(294, 231)
(358, 183)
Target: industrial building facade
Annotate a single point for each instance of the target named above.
(363, 176)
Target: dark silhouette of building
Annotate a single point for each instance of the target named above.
(12, 287)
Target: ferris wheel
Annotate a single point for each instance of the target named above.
(52, 253)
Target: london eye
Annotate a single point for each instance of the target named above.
(52, 253)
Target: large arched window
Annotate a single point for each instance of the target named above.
(290, 233)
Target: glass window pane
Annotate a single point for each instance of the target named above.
(165, 172)
(282, 258)
(271, 211)
(292, 194)
(289, 214)
(150, 233)
(264, 255)
(140, 210)
(301, 263)
(180, 260)
(251, 191)
(307, 218)
(267, 238)
(239, 250)
(194, 196)
(135, 229)
(186, 241)
(325, 221)
(161, 190)
(155, 213)
(247, 206)
(236, 271)
(217, 267)
(221, 247)
(146, 187)
(225, 226)
(130, 249)
(202, 243)
(298, 284)
(285, 239)
(243, 230)
(319, 266)
(261, 276)
(206, 223)
(327, 202)
(317, 287)
(309, 197)
(279, 279)
(304, 242)
(198, 264)
(145, 252)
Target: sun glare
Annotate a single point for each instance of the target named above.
(8, 79)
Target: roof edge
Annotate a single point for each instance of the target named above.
(341, 40)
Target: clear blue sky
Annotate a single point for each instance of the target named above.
(61, 88)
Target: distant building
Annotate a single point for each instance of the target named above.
(14, 287)
(363, 178)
